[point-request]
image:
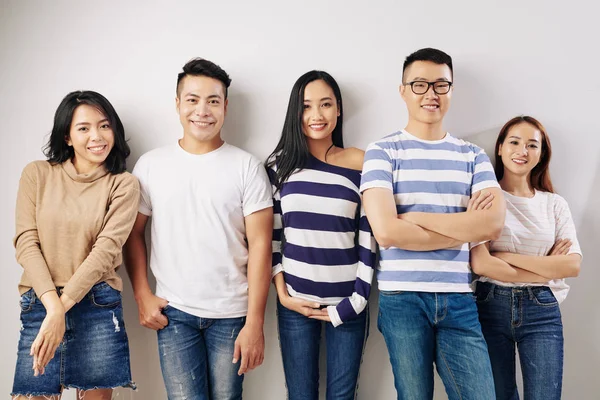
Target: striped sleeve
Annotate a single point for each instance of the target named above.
(565, 227)
(276, 266)
(377, 169)
(351, 306)
(483, 175)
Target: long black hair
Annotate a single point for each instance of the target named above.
(292, 151)
(58, 151)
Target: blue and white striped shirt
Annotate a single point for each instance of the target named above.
(328, 250)
(433, 177)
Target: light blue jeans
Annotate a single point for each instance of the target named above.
(196, 355)
(421, 329)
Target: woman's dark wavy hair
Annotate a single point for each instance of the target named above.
(292, 151)
(539, 177)
(57, 151)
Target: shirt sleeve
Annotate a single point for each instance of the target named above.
(352, 306)
(27, 242)
(118, 222)
(277, 265)
(483, 175)
(565, 227)
(140, 171)
(257, 189)
(377, 169)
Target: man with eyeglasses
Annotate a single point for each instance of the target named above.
(428, 195)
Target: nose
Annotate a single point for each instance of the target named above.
(430, 93)
(95, 134)
(525, 150)
(202, 108)
(315, 113)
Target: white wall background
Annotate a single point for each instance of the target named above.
(511, 57)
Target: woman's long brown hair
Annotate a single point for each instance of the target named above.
(539, 177)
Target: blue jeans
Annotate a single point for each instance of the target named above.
(529, 319)
(300, 337)
(196, 355)
(422, 328)
(94, 352)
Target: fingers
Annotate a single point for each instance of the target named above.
(482, 201)
(236, 352)
(564, 247)
(472, 200)
(35, 347)
(244, 363)
(561, 247)
(155, 320)
(321, 317)
(41, 358)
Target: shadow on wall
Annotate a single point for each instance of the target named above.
(486, 140)
(472, 101)
(235, 130)
(582, 349)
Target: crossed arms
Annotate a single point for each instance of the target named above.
(421, 231)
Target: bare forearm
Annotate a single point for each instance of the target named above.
(259, 278)
(408, 236)
(550, 267)
(500, 270)
(464, 226)
(135, 258)
(52, 302)
(279, 282)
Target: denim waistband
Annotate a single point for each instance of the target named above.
(508, 291)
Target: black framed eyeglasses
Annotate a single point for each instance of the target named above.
(421, 87)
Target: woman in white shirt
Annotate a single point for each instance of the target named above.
(522, 273)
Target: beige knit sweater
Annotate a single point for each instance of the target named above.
(71, 227)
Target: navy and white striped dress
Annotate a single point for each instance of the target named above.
(322, 241)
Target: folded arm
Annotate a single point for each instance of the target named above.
(465, 226)
(485, 264)
(551, 267)
(390, 231)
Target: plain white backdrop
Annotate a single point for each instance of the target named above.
(510, 57)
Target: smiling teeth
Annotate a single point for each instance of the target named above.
(97, 148)
(431, 107)
(317, 126)
(203, 124)
(519, 161)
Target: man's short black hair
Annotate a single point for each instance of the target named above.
(201, 67)
(428, 54)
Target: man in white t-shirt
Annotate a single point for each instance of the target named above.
(212, 220)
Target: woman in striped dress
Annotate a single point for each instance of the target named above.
(523, 272)
(323, 248)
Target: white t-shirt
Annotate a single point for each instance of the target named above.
(198, 204)
(532, 226)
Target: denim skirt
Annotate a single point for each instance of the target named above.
(94, 352)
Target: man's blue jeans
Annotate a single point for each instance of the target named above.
(422, 328)
(196, 355)
(300, 337)
(529, 319)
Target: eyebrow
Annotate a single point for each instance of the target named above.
(418, 78)
(530, 140)
(324, 98)
(212, 96)
(87, 123)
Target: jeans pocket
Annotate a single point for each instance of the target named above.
(544, 297)
(26, 301)
(105, 296)
(484, 294)
(391, 292)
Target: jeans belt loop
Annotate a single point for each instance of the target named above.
(530, 291)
